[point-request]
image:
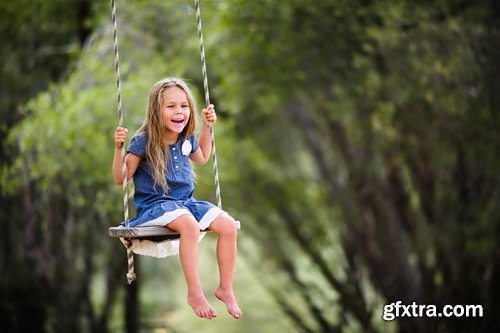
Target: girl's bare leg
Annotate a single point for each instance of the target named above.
(225, 227)
(189, 230)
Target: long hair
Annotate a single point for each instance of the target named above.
(155, 130)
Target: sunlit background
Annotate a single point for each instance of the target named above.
(357, 143)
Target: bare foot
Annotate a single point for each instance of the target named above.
(227, 296)
(201, 307)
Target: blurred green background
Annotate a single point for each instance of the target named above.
(358, 144)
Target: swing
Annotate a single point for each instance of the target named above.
(128, 234)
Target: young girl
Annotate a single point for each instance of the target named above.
(158, 160)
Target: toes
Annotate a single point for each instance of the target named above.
(201, 307)
(236, 313)
(207, 313)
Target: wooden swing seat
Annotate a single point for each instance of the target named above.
(135, 232)
(138, 232)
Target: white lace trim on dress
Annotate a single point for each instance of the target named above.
(166, 218)
(209, 217)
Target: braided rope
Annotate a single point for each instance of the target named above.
(207, 101)
(130, 255)
(130, 261)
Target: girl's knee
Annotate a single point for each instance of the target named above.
(224, 225)
(191, 228)
(186, 225)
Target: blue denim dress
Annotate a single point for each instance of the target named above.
(154, 207)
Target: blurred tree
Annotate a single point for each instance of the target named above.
(376, 119)
(360, 151)
(40, 40)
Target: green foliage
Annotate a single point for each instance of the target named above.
(64, 164)
(383, 97)
(357, 143)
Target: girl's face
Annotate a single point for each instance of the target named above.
(175, 110)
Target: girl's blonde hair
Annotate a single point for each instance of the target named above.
(155, 130)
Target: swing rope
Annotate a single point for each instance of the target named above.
(131, 276)
(128, 242)
(120, 110)
(207, 101)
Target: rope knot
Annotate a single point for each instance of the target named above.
(131, 277)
